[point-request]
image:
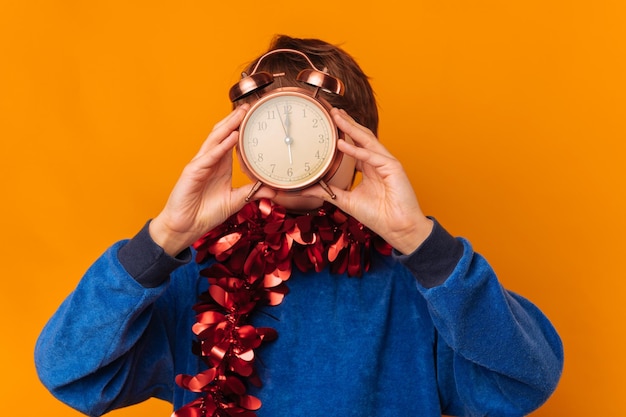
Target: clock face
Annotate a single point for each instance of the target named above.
(287, 140)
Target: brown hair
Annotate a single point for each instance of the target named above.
(358, 99)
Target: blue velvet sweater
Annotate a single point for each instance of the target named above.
(419, 335)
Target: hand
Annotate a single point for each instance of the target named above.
(384, 200)
(203, 197)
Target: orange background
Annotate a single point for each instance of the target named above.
(508, 116)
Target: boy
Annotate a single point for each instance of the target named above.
(422, 331)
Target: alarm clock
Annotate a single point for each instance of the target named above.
(288, 139)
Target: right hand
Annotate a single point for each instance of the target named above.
(204, 197)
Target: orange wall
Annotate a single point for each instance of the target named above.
(508, 115)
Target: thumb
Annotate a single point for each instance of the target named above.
(251, 192)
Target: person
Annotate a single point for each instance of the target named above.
(356, 330)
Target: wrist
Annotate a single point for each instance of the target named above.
(413, 236)
(169, 240)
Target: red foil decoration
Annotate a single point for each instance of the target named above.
(255, 250)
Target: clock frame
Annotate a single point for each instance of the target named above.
(253, 87)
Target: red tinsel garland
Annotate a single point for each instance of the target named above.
(255, 251)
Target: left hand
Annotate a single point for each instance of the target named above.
(384, 200)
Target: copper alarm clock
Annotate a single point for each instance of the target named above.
(288, 139)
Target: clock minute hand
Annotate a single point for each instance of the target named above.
(288, 140)
(287, 124)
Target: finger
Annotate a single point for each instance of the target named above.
(364, 155)
(349, 121)
(224, 128)
(360, 134)
(210, 155)
(341, 197)
(244, 107)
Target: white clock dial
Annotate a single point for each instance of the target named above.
(288, 140)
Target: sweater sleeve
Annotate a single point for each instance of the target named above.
(93, 353)
(147, 262)
(497, 353)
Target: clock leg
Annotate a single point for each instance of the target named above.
(326, 188)
(254, 190)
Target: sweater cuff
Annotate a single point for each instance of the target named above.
(435, 259)
(147, 262)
